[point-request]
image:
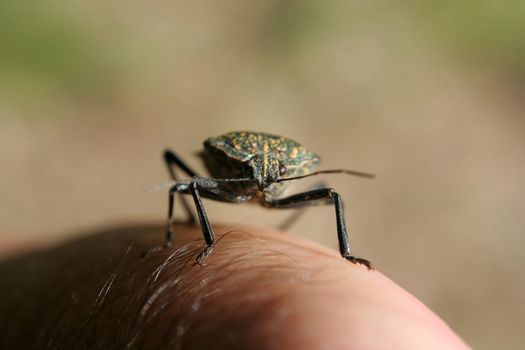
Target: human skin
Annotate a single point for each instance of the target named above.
(258, 289)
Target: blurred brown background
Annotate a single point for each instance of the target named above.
(429, 95)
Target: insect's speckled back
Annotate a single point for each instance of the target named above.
(226, 155)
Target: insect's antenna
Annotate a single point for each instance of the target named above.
(242, 179)
(331, 171)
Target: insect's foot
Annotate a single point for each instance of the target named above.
(201, 258)
(359, 261)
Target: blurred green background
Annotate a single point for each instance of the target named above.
(429, 95)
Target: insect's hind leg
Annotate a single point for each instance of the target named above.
(172, 162)
(322, 196)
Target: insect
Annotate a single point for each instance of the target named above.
(254, 166)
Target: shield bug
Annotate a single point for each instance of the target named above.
(253, 165)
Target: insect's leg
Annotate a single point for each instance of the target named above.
(203, 217)
(322, 196)
(172, 161)
(207, 188)
(292, 219)
(177, 188)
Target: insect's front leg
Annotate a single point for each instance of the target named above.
(202, 188)
(292, 219)
(321, 196)
(207, 231)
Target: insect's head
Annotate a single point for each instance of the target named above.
(266, 169)
(269, 169)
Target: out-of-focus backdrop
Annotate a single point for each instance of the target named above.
(429, 95)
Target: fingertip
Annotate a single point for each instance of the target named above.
(257, 289)
(273, 287)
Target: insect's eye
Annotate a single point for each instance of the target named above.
(282, 170)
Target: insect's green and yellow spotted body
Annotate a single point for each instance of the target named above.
(261, 156)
